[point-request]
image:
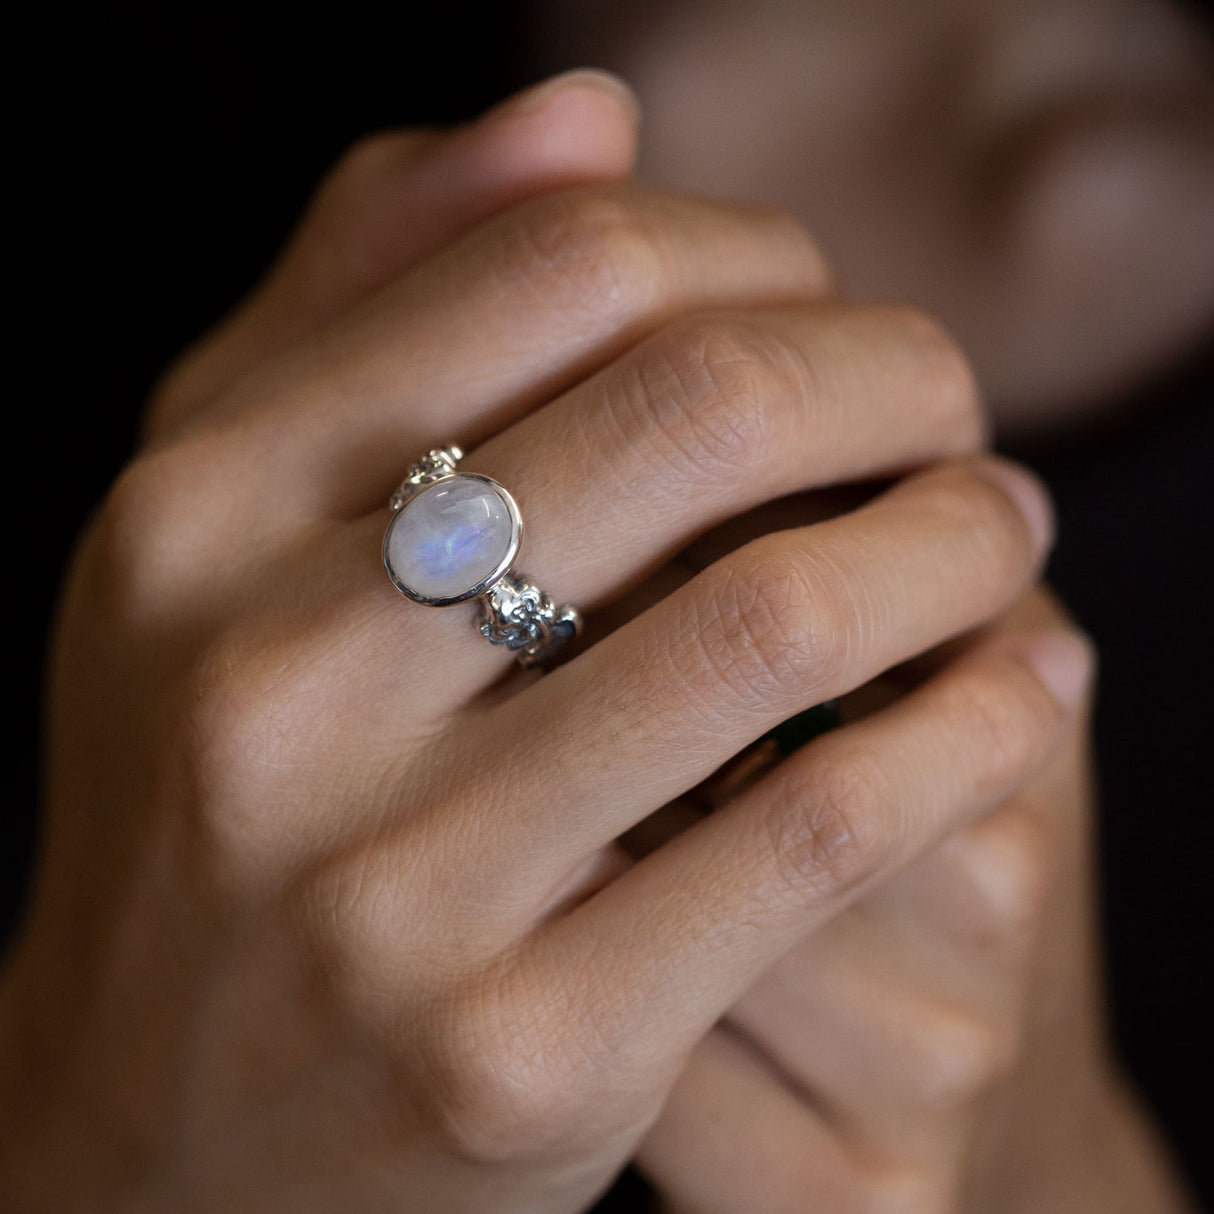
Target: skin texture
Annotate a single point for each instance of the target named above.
(938, 1046)
(332, 912)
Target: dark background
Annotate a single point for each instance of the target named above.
(162, 155)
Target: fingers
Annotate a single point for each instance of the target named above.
(733, 1137)
(512, 314)
(918, 991)
(713, 415)
(720, 412)
(394, 199)
(693, 924)
(508, 317)
(789, 620)
(899, 1020)
(746, 1127)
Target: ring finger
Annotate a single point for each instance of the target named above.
(713, 415)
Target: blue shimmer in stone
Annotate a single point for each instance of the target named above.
(450, 538)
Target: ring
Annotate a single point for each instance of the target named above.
(453, 537)
(745, 768)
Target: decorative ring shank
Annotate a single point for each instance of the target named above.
(452, 538)
(433, 466)
(516, 613)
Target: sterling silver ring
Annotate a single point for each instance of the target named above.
(453, 537)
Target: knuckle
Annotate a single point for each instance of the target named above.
(1008, 862)
(496, 1110)
(952, 1055)
(1023, 862)
(238, 707)
(134, 507)
(355, 912)
(249, 717)
(757, 632)
(135, 539)
(832, 833)
(588, 249)
(347, 228)
(365, 162)
(159, 540)
(345, 908)
(504, 1086)
(904, 1189)
(234, 723)
(709, 397)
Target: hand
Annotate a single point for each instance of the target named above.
(331, 913)
(939, 1046)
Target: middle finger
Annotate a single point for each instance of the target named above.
(506, 318)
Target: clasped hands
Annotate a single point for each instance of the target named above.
(338, 910)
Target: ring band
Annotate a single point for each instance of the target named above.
(453, 537)
(756, 760)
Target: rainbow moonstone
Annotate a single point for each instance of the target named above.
(445, 542)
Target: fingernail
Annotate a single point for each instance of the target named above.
(583, 77)
(1028, 492)
(1064, 662)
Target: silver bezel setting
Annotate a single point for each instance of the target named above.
(498, 572)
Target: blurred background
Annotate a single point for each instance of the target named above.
(1039, 173)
